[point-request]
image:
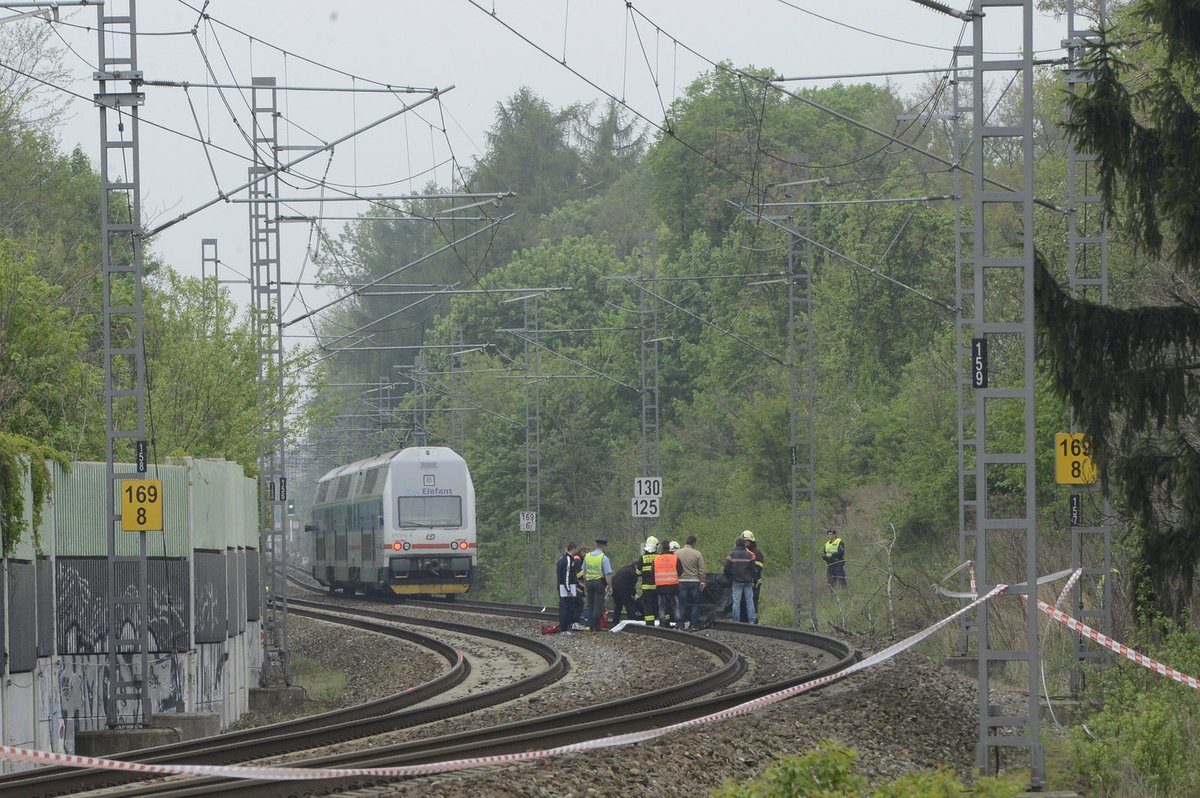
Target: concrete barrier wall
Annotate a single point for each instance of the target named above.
(53, 589)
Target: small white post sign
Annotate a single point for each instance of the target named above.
(647, 495)
(528, 521)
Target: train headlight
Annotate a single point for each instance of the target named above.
(454, 545)
(396, 546)
(407, 545)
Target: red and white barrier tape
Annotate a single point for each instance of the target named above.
(972, 594)
(1085, 630)
(14, 754)
(1120, 648)
(1067, 588)
(1041, 580)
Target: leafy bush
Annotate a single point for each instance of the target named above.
(827, 772)
(1143, 740)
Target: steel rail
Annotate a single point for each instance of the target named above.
(397, 711)
(645, 711)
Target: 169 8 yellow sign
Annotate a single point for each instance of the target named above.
(1073, 459)
(141, 505)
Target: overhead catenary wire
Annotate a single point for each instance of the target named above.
(845, 257)
(844, 117)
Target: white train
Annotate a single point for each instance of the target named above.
(402, 521)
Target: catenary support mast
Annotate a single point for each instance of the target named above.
(1003, 374)
(268, 328)
(801, 379)
(127, 700)
(965, 319)
(648, 360)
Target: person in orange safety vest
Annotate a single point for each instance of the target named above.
(667, 570)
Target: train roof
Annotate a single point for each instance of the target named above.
(407, 453)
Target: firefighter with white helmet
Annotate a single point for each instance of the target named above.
(649, 594)
(759, 563)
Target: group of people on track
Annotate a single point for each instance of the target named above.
(671, 579)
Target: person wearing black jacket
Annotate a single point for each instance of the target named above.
(759, 565)
(624, 585)
(740, 571)
(567, 575)
(835, 559)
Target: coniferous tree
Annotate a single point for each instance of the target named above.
(1130, 375)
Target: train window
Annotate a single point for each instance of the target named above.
(343, 488)
(417, 512)
(370, 479)
(322, 489)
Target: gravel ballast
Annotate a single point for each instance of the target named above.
(905, 715)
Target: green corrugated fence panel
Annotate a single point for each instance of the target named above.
(225, 504)
(80, 507)
(212, 503)
(237, 507)
(251, 524)
(175, 513)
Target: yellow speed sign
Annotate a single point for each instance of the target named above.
(141, 505)
(1073, 459)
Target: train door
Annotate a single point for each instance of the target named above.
(320, 524)
(372, 559)
(354, 544)
(341, 526)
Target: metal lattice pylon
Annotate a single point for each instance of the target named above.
(964, 299)
(533, 445)
(128, 634)
(1005, 485)
(648, 361)
(802, 385)
(266, 290)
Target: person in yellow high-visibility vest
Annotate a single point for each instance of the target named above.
(597, 570)
(835, 559)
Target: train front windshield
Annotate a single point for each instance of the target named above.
(423, 512)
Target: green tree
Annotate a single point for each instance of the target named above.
(1133, 386)
(610, 145)
(529, 152)
(202, 366)
(46, 381)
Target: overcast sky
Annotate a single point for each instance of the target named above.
(641, 56)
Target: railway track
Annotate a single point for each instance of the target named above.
(637, 713)
(397, 711)
(648, 710)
